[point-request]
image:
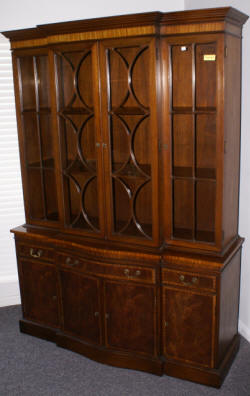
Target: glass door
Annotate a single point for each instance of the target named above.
(78, 117)
(193, 113)
(130, 125)
(37, 137)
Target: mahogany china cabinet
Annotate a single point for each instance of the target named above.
(129, 132)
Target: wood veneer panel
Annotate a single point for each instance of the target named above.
(130, 317)
(81, 309)
(38, 305)
(229, 305)
(232, 108)
(188, 326)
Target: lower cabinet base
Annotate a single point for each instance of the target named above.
(210, 377)
(38, 330)
(113, 358)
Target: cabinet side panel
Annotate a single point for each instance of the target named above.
(229, 304)
(231, 137)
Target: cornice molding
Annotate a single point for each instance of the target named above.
(157, 19)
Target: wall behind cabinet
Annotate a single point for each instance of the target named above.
(244, 219)
(16, 14)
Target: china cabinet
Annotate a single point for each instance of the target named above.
(129, 133)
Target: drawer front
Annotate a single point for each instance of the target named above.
(188, 279)
(37, 252)
(113, 271)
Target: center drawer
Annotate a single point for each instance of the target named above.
(113, 271)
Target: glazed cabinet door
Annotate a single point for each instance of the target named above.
(188, 326)
(36, 138)
(78, 116)
(81, 312)
(130, 317)
(128, 81)
(193, 133)
(39, 292)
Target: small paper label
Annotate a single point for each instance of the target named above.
(209, 57)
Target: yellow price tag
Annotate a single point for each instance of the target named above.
(209, 57)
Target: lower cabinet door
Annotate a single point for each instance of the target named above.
(39, 292)
(81, 306)
(188, 326)
(130, 317)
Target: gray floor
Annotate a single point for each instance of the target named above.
(33, 367)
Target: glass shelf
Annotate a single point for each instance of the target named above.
(193, 116)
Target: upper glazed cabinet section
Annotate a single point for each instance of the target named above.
(194, 102)
(38, 160)
(96, 102)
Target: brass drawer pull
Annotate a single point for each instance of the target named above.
(68, 261)
(193, 282)
(96, 314)
(54, 298)
(36, 254)
(126, 272)
(137, 273)
(106, 316)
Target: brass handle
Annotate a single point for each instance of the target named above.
(96, 314)
(137, 273)
(193, 281)
(107, 316)
(36, 254)
(126, 272)
(70, 262)
(54, 298)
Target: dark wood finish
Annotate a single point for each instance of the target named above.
(129, 132)
(193, 280)
(188, 325)
(112, 357)
(81, 311)
(204, 376)
(229, 309)
(37, 330)
(231, 137)
(33, 251)
(130, 317)
(39, 306)
(130, 139)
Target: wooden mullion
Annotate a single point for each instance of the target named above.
(39, 137)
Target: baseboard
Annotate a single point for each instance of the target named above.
(244, 330)
(9, 292)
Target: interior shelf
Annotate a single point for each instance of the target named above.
(199, 174)
(48, 163)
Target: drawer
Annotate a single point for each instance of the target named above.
(35, 252)
(113, 271)
(188, 279)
